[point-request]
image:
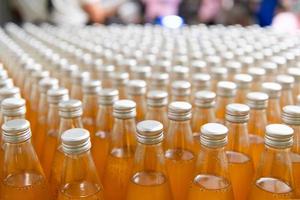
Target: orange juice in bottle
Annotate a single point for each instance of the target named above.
(295, 72)
(70, 113)
(149, 178)
(66, 75)
(54, 96)
(141, 73)
(243, 82)
(28, 79)
(273, 179)
(211, 178)
(290, 116)
(258, 75)
(78, 78)
(217, 74)
(287, 83)
(257, 101)
(104, 126)
(136, 90)
(79, 176)
(119, 81)
(238, 150)
(179, 148)
(181, 91)
(273, 90)
(104, 73)
(121, 150)
(22, 174)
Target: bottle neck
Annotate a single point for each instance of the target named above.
(68, 123)
(53, 120)
(105, 119)
(257, 122)
(90, 105)
(9, 118)
(296, 143)
(201, 116)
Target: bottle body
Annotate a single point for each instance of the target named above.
(286, 97)
(273, 111)
(221, 104)
(162, 117)
(140, 101)
(90, 108)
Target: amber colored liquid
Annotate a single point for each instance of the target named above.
(149, 186)
(88, 124)
(40, 137)
(27, 186)
(80, 191)
(33, 123)
(221, 104)
(180, 166)
(211, 188)
(117, 174)
(296, 172)
(241, 174)
(56, 172)
(257, 146)
(270, 188)
(48, 152)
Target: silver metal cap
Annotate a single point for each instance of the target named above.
(201, 81)
(120, 78)
(157, 98)
(70, 108)
(294, 72)
(257, 100)
(213, 135)
(181, 88)
(180, 72)
(79, 77)
(3, 74)
(218, 73)
(257, 73)
(108, 96)
(159, 79)
(68, 70)
(237, 113)
(279, 136)
(272, 89)
(8, 82)
(233, 67)
(149, 132)
(56, 95)
(124, 109)
(91, 87)
(226, 89)
(16, 131)
(179, 111)
(198, 66)
(243, 80)
(106, 70)
(39, 75)
(136, 87)
(141, 72)
(286, 81)
(12, 107)
(9, 92)
(47, 83)
(205, 99)
(291, 115)
(163, 66)
(76, 141)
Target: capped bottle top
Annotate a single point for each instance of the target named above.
(141, 72)
(16, 131)
(76, 141)
(120, 78)
(149, 132)
(180, 72)
(159, 79)
(29, 69)
(136, 87)
(91, 87)
(3, 74)
(257, 100)
(213, 135)
(47, 83)
(56, 95)
(108, 96)
(205, 99)
(163, 66)
(272, 89)
(198, 66)
(213, 60)
(257, 73)
(124, 109)
(181, 88)
(68, 70)
(246, 60)
(279, 136)
(8, 82)
(79, 77)
(157, 98)
(270, 67)
(201, 80)
(218, 73)
(291, 115)
(39, 75)
(106, 70)
(237, 113)
(286, 81)
(279, 60)
(243, 80)
(179, 111)
(233, 67)
(70, 108)
(294, 72)
(226, 89)
(8, 92)
(12, 107)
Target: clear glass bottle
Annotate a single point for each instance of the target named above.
(211, 178)
(295, 72)
(287, 83)
(141, 73)
(104, 73)
(149, 178)
(217, 74)
(27, 78)
(22, 174)
(104, 126)
(70, 113)
(233, 68)
(200, 82)
(179, 152)
(258, 75)
(54, 96)
(258, 102)
(290, 116)
(121, 150)
(91, 90)
(79, 179)
(119, 81)
(181, 91)
(273, 90)
(9, 92)
(238, 150)
(203, 112)
(136, 91)
(66, 74)
(281, 63)
(78, 78)
(243, 82)
(273, 179)
(179, 73)
(159, 81)
(247, 62)
(197, 67)
(226, 92)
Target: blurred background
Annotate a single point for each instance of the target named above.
(282, 14)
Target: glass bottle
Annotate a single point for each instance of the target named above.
(243, 82)
(121, 150)
(141, 73)
(197, 67)
(136, 90)
(79, 178)
(273, 179)
(179, 73)
(287, 83)
(54, 96)
(295, 72)
(66, 75)
(258, 75)
(22, 174)
(159, 81)
(41, 125)
(70, 113)
(233, 68)
(290, 116)
(200, 82)
(247, 62)
(226, 92)
(119, 81)
(78, 78)
(271, 70)
(217, 74)
(104, 126)
(281, 62)
(9, 92)
(25, 83)
(149, 178)
(204, 112)
(181, 91)
(179, 151)
(257, 101)
(91, 90)
(273, 90)
(104, 73)
(238, 150)
(211, 178)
